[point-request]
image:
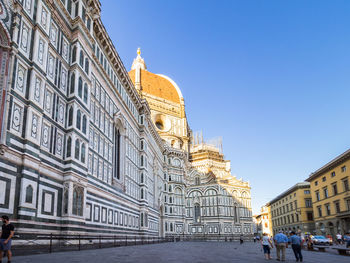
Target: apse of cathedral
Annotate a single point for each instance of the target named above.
(87, 147)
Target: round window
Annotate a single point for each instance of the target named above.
(162, 122)
(159, 125)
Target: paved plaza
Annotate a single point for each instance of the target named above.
(184, 252)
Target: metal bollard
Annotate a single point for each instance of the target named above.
(51, 243)
(79, 243)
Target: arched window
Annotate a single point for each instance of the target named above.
(65, 200)
(70, 116)
(117, 147)
(29, 194)
(142, 178)
(235, 212)
(141, 160)
(80, 87)
(85, 93)
(197, 213)
(69, 146)
(77, 149)
(82, 158)
(83, 14)
(72, 83)
(78, 123)
(74, 54)
(81, 59)
(69, 6)
(84, 124)
(78, 198)
(88, 23)
(87, 65)
(171, 227)
(197, 180)
(141, 193)
(141, 219)
(76, 9)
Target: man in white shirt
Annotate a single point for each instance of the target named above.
(339, 238)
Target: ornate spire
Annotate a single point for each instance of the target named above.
(138, 62)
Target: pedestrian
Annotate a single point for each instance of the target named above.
(281, 243)
(7, 232)
(347, 239)
(241, 239)
(329, 237)
(254, 239)
(267, 245)
(339, 238)
(296, 242)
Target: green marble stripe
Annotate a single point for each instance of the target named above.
(29, 169)
(3, 169)
(101, 228)
(135, 212)
(18, 96)
(9, 163)
(104, 183)
(122, 197)
(53, 157)
(47, 161)
(27, 209)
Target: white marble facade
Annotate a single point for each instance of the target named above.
(80, 146)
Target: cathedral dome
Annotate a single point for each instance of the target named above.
(156, 85)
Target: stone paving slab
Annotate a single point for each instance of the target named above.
(184, 252)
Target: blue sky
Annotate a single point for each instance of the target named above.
(270, 77)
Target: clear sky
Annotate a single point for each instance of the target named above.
(270, 77)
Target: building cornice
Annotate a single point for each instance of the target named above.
(290, 190)
(330, 165)
(114, 59)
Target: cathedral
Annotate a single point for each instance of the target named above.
(87, 147)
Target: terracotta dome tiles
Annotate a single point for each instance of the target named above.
(156, 86)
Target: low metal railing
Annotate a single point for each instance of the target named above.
(210, 237)
(36, 243)
(32, 243)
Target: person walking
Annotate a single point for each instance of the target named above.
(7, 232)
(241, 239)
(347, 239)
(267, 245)
(281, 242)
(339, 238)
(296, 242)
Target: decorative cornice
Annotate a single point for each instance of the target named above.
(114, 59)
(330, 165)
(288, 191)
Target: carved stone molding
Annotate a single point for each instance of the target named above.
(3, 149)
